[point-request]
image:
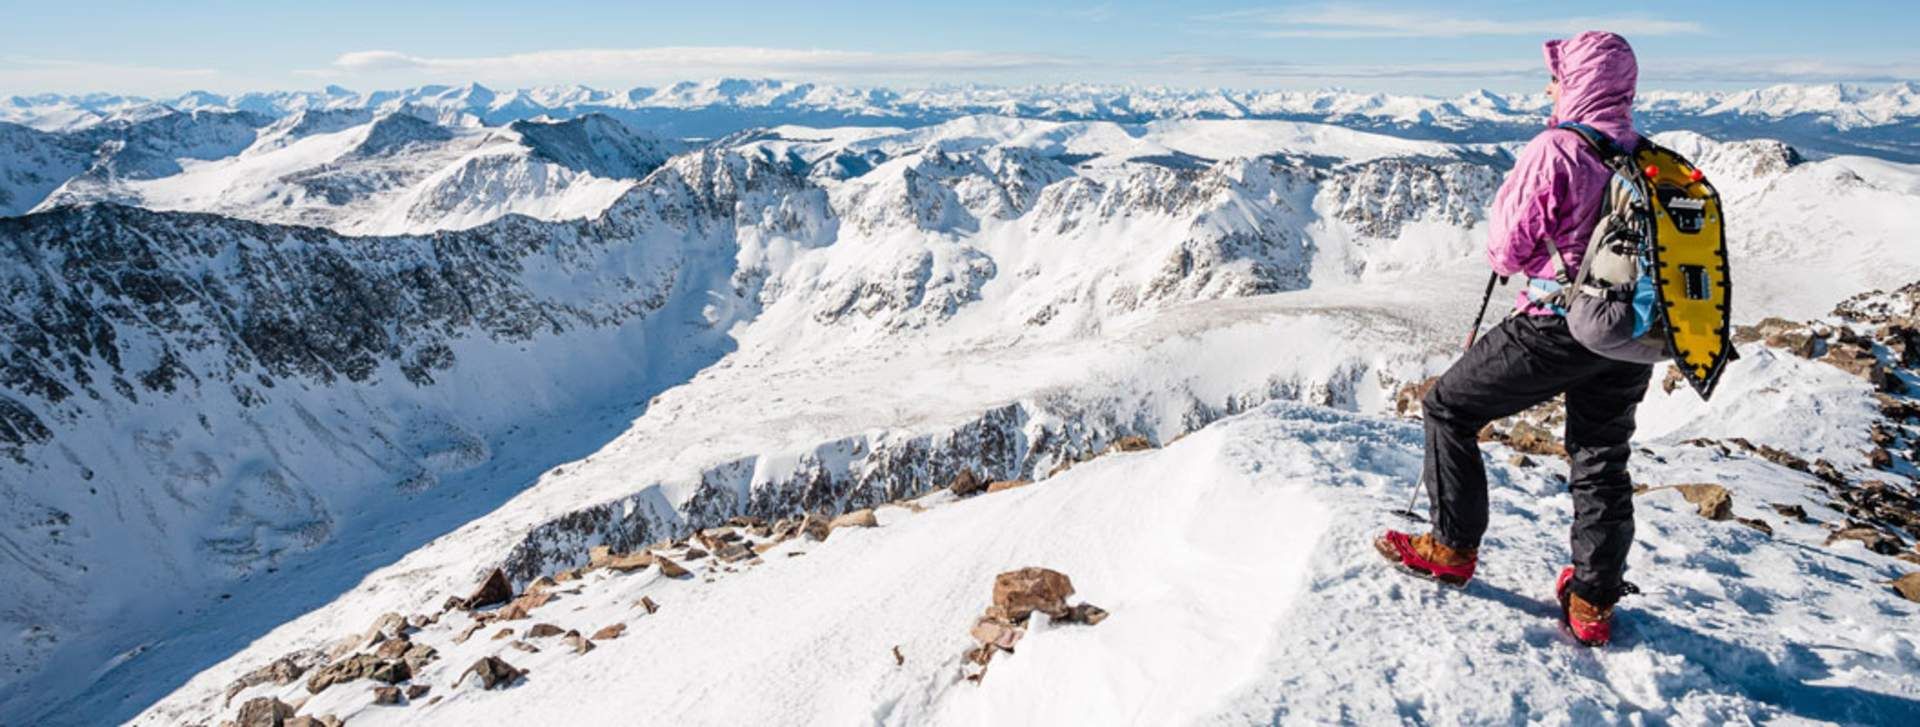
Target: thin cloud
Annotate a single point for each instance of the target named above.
(1345, 22)
(700, 61)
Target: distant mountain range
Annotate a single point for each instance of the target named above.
(1818, 119)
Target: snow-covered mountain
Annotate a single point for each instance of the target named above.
(359, 171)
(272, 435)
(1821, 119)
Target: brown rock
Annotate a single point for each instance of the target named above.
(746, 521)
(571, 574)
(610, 631)
(325, 720)
(1017, 594)
(1757, 524)
(282, 671)
(785, 529)
(1868, 536)
(1673, 380)
(494, 589)
(416, 691)
(862, 518)
(733, 552)
(1086, 613)
(647, 603)
(520, 607)
(419, 656)
(1908, 586)
(264, 712)
(1528, 438)
(502, 634)
(1000, 485)
(386, 695)
(493, 673)
(1798, 513)
(578, 643)
(543, 630)
(815, 527)
(597, 556)
(1132, 443)
(393, 648)
(996, 632)
(899, 659)
(1520, 460)
(965, 484)
(1879, 458)
(693, 554)
(629, 562)
(671, 569)
(524, 646)
(1407, 400)
(467, 633)
(542, 584)
(358, 666)
(1713, 501)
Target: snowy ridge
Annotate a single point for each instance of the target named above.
(393, 172)
(1820, 115)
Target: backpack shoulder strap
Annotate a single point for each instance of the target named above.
(1610, 153)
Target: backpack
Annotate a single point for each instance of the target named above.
(1655, 283)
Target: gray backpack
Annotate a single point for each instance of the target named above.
(1654, 283)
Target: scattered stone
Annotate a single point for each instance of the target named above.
(693, 554)
(282, 671)
(420, 621)
(899, 659)
(493, 673)
(520, 607)
(1520, 460)
(746, 521)
(495, 589)
(1798, 513)
(543, 630)
(579, 643)
(733, 552)
(467, 633)
(997, 632)
(393, 648)
(1713, 501)
(503, 634)
(1757, 524)
(815, 527)
(1132, 443)
(542, 584)
(264, 712)
(671, 569)
(1529, 438)
(965, 484)
(358, 666)
(524, 646)
(862, 518)
(571, 574)
(1000, 485)
(597, 556)
(647, 603)
(1868, 536)
(629, 562)
(325, 720)
(1879, 458)
(1908, 586)
(416, 691)
(612, 631)
(1407, 400)
(1017, 594)
(786, 528)
(386, 695)
(419, 656)
(1085, 613)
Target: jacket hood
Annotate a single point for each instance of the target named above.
(1597, 73)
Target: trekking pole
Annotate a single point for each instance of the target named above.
(1485, 298)
(1413, 494)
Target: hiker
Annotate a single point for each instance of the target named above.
(1552, 197)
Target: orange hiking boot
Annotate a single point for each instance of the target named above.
(1425, 557)
(1590, 625)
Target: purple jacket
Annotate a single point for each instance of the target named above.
(1553, 194)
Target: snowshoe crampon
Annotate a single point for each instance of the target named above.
(1399, 549)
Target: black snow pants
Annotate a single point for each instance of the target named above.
(1524, 361)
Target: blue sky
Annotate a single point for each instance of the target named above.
(1407, 47)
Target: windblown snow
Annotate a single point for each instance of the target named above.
(274, 369)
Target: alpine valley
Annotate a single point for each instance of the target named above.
(726, 402)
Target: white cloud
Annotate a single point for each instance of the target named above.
(678, 63)
(1352, 22)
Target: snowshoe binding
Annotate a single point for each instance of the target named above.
(1588, 624)
(1425, 557)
